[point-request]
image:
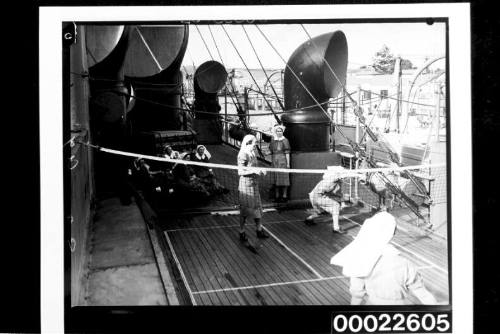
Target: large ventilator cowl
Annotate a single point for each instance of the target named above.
(307, 126)
(100, 41)
(210, 77)
(155, 51)
(152, 64)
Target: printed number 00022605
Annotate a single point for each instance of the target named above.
(391, 322)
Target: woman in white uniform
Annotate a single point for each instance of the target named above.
(379, 275)
(280, 157)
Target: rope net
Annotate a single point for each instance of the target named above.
(185, 182)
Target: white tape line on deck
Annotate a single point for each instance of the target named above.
(293, 253)
(269, 285)
(178, 264)
(409, 251)
(262, 286)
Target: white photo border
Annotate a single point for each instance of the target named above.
(51, 127)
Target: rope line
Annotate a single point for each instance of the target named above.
(348, 173)
(71, 142)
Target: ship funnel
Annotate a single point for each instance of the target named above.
(307, 126)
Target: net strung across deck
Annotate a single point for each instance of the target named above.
(182, 184)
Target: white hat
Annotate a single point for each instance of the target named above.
(333, 172)
(360, 256)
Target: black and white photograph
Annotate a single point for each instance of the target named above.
(256, 156)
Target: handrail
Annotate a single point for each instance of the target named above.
(262, 145)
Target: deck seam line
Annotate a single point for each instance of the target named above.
(177, 263)
(292, 252)
(226, 226)
(410, 252)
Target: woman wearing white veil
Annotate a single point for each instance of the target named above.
(280, 158)
(379, 275)
(248, 187)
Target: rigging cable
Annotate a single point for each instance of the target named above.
(236, 103)
(149, 49)
(251, 75)
(240, 109)
(415, 94)
(410, 203)
(204, 42)
(356, 108)
(372, 135)
(189, 110)
(394, 98)
(262, 67)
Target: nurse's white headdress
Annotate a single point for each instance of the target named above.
(360, 256)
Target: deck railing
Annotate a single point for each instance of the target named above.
(262, 145)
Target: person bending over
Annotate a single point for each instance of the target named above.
(327, 197)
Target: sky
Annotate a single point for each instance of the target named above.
(413, 41)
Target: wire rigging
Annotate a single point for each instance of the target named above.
(216, 47)
(408, 201)
(204, 42)
(263, 70)
(233, 96)
(251, 75)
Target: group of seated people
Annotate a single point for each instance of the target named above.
(180, 180)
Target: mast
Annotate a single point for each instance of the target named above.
(398, 108)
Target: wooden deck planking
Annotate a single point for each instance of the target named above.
(298, 294)
(340, 297)
(270, 264)
(309, 241)
(316, 251)
(214, 259)
(289, 276)
(315, 244)
(194, 274)
(209, 263)
(232, 246)
(208, 280)
(436, 281)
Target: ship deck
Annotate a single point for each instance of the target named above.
(292, 266)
